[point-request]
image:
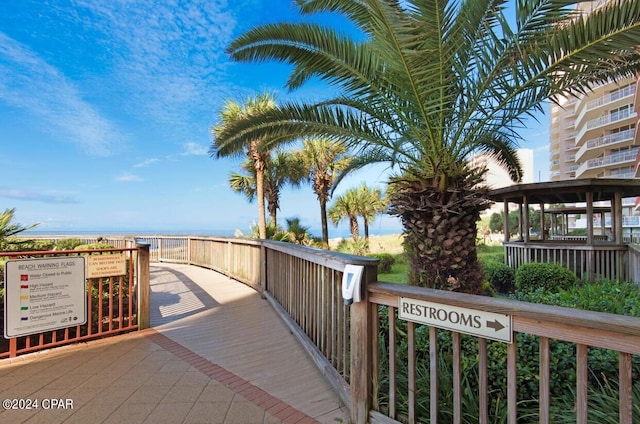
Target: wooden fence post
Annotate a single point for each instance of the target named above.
(361, 353)
(144, 319)
(263, 268)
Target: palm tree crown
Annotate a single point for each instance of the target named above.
(324, 162)
(427, 84)
(254, 147)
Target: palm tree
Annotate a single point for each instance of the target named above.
(370, 204)
(347, 206)
(426, 85)
(9, 229)
(297, 232)
(254, 148)
(281, 168)
(324, 162)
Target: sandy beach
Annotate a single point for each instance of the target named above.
(391, 243)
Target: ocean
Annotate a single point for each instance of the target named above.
(333, 232)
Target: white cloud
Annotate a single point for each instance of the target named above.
(37, 197)
(28, 82)
(126, 177)
(194, 149)
(146, 163)
(168, 56)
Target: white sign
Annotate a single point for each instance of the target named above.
(488, 325)
(44, 294)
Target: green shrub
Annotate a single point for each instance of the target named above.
(603, 296)
(93, 246)
(386, 261)
(547, 276)
(501, 276)
(68, 244)
(355, 247)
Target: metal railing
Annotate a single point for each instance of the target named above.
(115, 304)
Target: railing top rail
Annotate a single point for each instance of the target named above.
(555, 314)
(574, 244)
(65, 252)
(334, 260)
(236, 240)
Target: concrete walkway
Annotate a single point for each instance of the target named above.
(217, 353)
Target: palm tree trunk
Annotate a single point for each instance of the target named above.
(366, 229)
(325, 224)
(440, 235)
(262, 222)
(355, 230)
(273, 214)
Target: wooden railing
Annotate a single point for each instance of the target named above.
(359, 347)
(634, 263)
(302, 284)
(601, 261)
(377, 399)
(115, 303)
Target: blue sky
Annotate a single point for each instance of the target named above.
(106, 106)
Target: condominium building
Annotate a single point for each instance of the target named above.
(594, 135)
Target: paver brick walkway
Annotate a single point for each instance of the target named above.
(217, 353)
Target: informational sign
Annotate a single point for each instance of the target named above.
(44, 294)
(106, 265)
(488, 325)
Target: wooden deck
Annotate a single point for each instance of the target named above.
(230, 325)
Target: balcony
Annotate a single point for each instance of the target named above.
(592, 167)
(611, 100)
(597, 126)
(592, 148)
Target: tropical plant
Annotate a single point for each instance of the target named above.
(346, 206)
(254, 148)
(9, 229)
(424, 86)
(281, 168)
(297, 232)
(324, 163)
(370, 204)
(273, 232)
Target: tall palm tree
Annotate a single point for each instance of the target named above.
(254, 147)
(346, 206)
(427, 84)
(281, 168)
(324, 162)
(370, 203)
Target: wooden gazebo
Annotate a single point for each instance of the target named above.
(592, 256)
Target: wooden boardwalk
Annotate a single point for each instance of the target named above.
(231, 325)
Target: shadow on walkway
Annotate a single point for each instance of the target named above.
(175, 296)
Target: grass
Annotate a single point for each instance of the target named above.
(400, 270)
(398, 274)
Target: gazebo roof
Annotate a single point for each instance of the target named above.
(567, 191)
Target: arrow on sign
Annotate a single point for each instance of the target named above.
(496, 325)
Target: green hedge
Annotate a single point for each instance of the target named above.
(502, 277)
(545, 276)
